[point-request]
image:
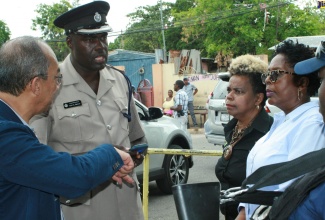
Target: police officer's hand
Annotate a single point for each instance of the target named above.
(127, 168)
(136, 157)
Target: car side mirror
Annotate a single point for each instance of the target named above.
(155, 113)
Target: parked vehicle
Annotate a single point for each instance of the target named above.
(217, 111)
(164, 132)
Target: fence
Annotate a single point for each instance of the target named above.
(187, 153)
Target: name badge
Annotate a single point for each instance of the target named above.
(72, 104)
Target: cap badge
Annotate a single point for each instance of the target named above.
(97, 17)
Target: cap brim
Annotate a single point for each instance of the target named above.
(102, 29)
(309, 66)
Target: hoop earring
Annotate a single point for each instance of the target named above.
(299, 94)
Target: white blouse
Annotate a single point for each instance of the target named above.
(292, 135)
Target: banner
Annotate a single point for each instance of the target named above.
(201, 77)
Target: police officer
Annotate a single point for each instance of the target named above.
(93, 106)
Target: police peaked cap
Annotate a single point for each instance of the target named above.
(85, 19)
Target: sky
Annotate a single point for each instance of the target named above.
(18, 14)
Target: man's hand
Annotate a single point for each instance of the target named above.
(127, 168)
(136, 157)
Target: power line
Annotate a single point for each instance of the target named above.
(196, 20)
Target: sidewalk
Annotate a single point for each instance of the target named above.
(192, 130)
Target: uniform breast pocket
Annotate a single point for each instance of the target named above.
(75, 123)
(122, 106)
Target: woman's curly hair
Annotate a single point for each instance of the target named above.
(251, 67)
(294, 53)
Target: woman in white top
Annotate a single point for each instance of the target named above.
(298, 129)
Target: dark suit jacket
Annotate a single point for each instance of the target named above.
(33, 176)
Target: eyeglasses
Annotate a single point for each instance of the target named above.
(58, 79)
(274, 75)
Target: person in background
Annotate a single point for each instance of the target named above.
(245, 102)
(180, 104)
(312, 207)
(297, 129)
(94, 105)
(169, 102)
(135, 94)
(32, 175)
(190, 90)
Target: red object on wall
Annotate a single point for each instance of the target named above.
(145, 90)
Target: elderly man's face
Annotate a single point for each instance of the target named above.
(51, 84)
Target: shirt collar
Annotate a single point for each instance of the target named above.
(260, 123)
(20, 118)
(73, 76)
(296, 112)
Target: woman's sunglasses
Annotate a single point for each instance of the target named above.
(274, 75)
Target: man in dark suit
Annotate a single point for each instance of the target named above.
(32, 175)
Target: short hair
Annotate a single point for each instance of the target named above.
(253, 68)
(294, 53)
(21, 59)
(180, 83)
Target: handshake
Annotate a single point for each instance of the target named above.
(131, 159)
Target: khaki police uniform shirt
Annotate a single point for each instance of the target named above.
(78, 129)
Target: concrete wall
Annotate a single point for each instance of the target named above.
(164, 78)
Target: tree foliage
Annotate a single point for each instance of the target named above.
(4, 32)
(145, 29)
(44, 22)
(236, 27)
(240, 28)
(144, 32)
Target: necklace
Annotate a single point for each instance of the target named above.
(236, 136)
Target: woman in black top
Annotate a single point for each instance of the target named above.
(245, 102)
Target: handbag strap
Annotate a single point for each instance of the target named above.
(278, 173)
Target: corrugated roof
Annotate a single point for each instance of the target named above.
(121, 55)
(311, 41)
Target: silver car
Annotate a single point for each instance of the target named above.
(164, 132)
(217, 113)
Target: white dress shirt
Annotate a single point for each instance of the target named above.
(292, 135)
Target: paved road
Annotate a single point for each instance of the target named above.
(162, 207)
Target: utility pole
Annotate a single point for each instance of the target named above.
(162, 31)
